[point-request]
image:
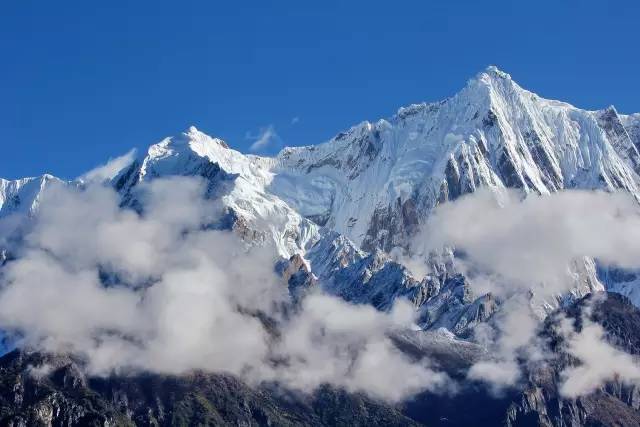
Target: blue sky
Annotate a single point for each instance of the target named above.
(82, 81)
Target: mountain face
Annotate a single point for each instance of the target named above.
(377, 182)
(616, 403)
(537, 402)
(22, 195)
(346, 204)
(336, 213)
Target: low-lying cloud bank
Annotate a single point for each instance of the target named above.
(162, 291)
(528, 251)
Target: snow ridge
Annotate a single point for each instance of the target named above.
(345, 204)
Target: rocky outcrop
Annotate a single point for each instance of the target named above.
(614, 404)
(41, 390)
(296, 274)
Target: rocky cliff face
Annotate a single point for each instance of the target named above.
(615, 403)
(44, 390)
(537, 401)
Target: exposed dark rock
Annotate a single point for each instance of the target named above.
(490, 120)
(296, 274)
(391, 226)
(614, 404)
(57, 397)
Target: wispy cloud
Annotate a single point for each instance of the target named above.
(295, 120)
(111, 168)
(263, 139)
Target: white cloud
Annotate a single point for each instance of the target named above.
(332, 341)
(183, 297)
(512, 337)
(109, 169)
(533, 242)
(263, 139)
(295, 120)
(39, 372)
(184, 294)
(599, 362)
(529, 250)
(499, 373)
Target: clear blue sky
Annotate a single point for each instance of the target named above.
(82, 81)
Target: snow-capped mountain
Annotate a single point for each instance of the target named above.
(22, 196)
(239, 181)
(378, 181)
(343, 205)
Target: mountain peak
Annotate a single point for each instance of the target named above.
(192, 130)
(492, 76)
(494, 71)
(193, 135)
(491, 86)
(190, 134)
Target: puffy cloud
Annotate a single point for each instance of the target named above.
(160, 290)
(532, 242)
(511, 338)
(498, 373)
(354, 339)
(527, 251)
(599, 362)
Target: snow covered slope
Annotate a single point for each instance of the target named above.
(21, 196)
(345, 204)
(239, 182)
(378, 181)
